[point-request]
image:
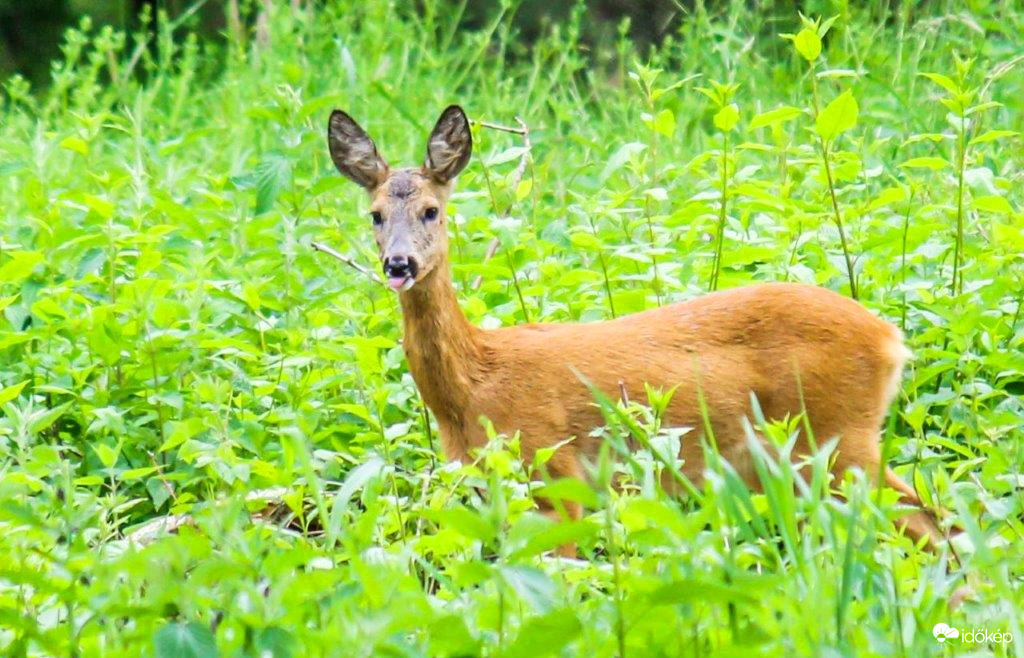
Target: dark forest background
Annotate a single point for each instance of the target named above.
(31, 30)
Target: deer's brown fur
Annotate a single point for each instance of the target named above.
(797, 348)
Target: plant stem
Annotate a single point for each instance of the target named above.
(717, 265)
(652, 172)
(903, 261)
(957, 285)
(832, 190)
(515, 282)
(839, 220)
(604, 271)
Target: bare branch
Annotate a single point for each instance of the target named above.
(496, 126)
(319, 246)
(517, 177)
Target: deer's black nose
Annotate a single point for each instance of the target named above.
(400, 267)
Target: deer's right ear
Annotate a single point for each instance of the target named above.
(450, 145)
(353, 152)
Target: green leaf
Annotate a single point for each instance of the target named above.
(929, 162)
(523, 189)
(992, 203)
(943, 81)
(11, 392)
(570, 489)
(272, 174)
(275, 642)
(108, 456)
(20, 266)
(137, 473)
(838, 116)
(665, 123)
(449, 636)
(778, 115)
(552, 535)
(76, 144)
(727, 117)
(586, 241)
(620, 158)
(888, 196)
(464, 521)
(191, 640)
(100, 205)
(808, 44)
(545, 635)
(531, 584)
(993, 135)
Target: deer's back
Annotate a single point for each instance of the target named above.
(777, 341)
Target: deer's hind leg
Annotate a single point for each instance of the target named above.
(860, 449)
(918, 524)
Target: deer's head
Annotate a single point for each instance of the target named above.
(407, 206)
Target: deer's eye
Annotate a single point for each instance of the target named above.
(430, 214)
(377, 218)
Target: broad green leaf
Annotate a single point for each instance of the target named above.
(619, 158)
(981, 107)
(275, 642)
(19, 266)
(465, 521)
(449, 636)
(808, 44)
(523, 189)
(100, 205)
(887, 197)
(838, 116)
(928, 162)
(108, 456)
(943, 81)
(508, 155)
(531, 584)
(993, 135)
(665, 123)
(9, 393)
(9, 338)
(570, 489)
(992, 203)
(7, 301)
(545, 635)
(188, 640)
(554, 535)
(778, 115)
(727, 117)
(76, 144)
(272, 174)
(136, 473)
(586, 241)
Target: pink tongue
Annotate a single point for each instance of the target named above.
(396, 282)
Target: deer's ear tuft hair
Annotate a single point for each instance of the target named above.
(450, 145)
(353, 152)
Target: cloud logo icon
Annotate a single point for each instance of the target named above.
(943, 632)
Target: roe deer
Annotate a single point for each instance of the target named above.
(774, 340)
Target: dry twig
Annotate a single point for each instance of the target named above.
(371, 275)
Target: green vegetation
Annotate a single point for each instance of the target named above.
(209, 444)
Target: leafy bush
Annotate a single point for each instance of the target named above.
(210, 442)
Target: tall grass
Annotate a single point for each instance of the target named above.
(210, 444)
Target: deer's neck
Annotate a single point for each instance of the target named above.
(442, 347)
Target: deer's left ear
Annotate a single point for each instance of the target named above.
(450, 145)
(353, 151)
